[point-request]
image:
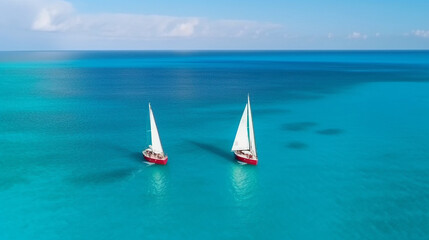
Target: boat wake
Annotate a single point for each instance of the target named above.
(136, 172)
(242, 163)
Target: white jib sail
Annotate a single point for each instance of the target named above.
(252, 143)
(156, 141)
(241, 141)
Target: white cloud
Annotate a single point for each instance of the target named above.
(56, 24)
(421, 33)
(357, 35)
(184, 29)
(53, 16)
(60, 17)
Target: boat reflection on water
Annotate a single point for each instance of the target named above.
(158, 181)
(244, 183)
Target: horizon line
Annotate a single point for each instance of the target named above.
(211, 50)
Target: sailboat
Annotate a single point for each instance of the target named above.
(154, 153)
(244, 146)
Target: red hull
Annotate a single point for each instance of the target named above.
(246, 160)
(161, 161)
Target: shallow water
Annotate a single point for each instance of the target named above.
(342, 137)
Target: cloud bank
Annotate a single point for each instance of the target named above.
(57, 24)
(357, 35)
(60, 16)
(421, 33)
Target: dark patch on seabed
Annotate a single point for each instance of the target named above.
(136, 156)
(9, 182)
(212, 149)
(102, 177)
(297, 145)
(298, 126)
(330, 131)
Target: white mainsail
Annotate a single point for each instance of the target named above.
(156, 141)
(252, 144)
(241, 141)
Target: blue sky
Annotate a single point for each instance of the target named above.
(220, 24)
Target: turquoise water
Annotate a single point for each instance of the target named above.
(343, 141)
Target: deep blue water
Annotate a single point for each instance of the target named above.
(343, 141)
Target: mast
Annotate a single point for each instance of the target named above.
(156, 141)
(241, 141)
(252, 143)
